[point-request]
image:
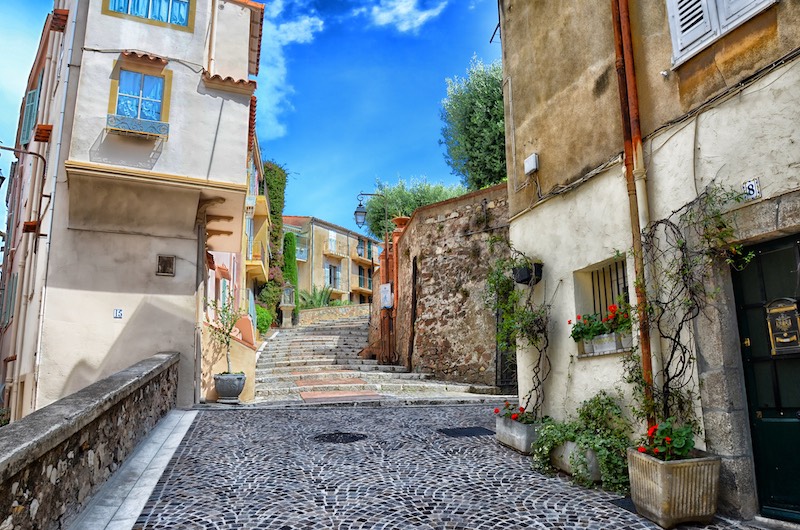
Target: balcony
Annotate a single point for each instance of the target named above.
(363, 256)
(256, 265)
(361, 284)
(335, 249)
(128, 126)
(261, 206)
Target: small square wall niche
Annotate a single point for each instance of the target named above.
(165, 266)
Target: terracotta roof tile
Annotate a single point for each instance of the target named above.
(251, 131)
(142, 56)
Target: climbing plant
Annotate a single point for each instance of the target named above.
(519, 318)
(682, 251)
(275, 183)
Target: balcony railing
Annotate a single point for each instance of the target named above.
(365, 282)
(126, 125)
(336, 248)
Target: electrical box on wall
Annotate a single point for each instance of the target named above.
(531, 163)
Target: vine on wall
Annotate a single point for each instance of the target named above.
(682, 250)
(519, 319)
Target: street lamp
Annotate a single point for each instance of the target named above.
(360, 216)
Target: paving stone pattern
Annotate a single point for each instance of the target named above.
(271, 469)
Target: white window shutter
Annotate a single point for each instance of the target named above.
(735, 12)
(692, 23)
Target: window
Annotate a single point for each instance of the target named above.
(29, 116)
(609, 284)
(140, 95)
(174, 12)
(332, 276)
(695, 24)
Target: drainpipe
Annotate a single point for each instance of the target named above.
(212, 40)
(634, 175)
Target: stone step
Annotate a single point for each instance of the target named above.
(387, 368)
(321, 361)
(341, 374)
(389, 387)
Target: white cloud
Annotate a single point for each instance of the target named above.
(404, 15)
(274, 90)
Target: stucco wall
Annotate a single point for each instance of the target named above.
(454, 332)
(52, 461)
(561, 94)
(751, 134)
(243, 359)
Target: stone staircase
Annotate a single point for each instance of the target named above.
(319, 363)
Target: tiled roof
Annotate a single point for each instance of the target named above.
(241, 85)
(142, 56)
(251, 131)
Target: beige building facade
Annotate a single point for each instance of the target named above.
(331, 256)
(717, 85)
(142, 115)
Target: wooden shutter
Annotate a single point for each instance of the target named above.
(692, 23)
(29, 117)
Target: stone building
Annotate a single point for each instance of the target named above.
(331, 256)
(442, 324)
(133, 159)
(604, 133)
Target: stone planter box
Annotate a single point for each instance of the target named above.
(516, 435)
(560, 459)
(669, 493)
(605, 343)
(624, 341)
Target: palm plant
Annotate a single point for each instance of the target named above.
(317, 297)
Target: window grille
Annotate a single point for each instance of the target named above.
(609, 283)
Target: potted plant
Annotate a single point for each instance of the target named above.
(620, 322)
(586, 328)
(227, 384)
(516, 428)
(591, 447)
(671, 482)
(528, 273)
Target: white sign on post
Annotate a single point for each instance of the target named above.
(387, 301)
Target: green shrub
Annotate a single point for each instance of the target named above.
(600, 426)
(264, 319)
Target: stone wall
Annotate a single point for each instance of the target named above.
(450, 333)
(321, 314)
(53, 460)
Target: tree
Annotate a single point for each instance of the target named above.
(474, 130)
(290, 258)
(403, 199)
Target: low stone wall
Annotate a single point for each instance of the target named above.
(321, 314)
(54, 459)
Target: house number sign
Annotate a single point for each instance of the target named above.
(784, 326)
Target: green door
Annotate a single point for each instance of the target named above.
(770, 288)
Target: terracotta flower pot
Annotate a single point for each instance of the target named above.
(669, 493)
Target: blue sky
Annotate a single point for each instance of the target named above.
(349, 90)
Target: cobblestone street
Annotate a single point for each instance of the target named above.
(289, 469)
